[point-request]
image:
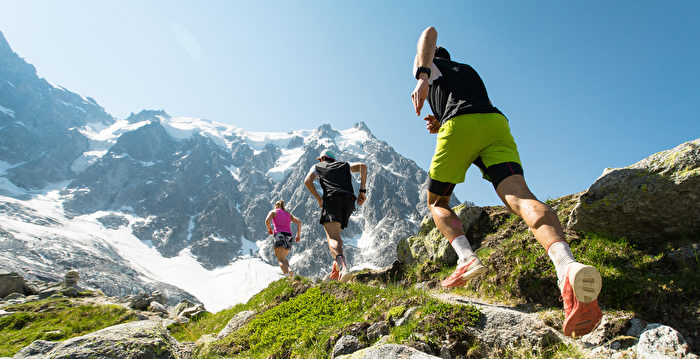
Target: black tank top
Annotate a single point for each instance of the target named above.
(458, 91)
(335, 179)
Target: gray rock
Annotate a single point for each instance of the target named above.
(157, 308)
(503, 326)
(406, 316)
(388, 351)
(143, 339)
(377, 330)
(237, 322)
(71, 279)
(430, 244)
(46, 293)
(660, 342)
(650, 202)
(193, 312)
(142, 301)
(184, 304)
(347, 344)
(70, 292)
(11, 283)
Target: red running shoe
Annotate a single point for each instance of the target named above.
(582, 284)
(464, 273)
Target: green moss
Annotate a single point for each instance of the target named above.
(55, 320)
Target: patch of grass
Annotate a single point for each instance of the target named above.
(55, 320)
(213, 323)
(308, 324)
(630, 272)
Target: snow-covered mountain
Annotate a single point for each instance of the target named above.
(155, 201)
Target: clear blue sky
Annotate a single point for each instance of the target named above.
(586, 85)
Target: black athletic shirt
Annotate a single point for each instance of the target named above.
(335, 179)
(456, 89)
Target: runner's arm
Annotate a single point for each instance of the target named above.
(298, 223)
(309, 182)
(362, 168)
(270, 216)
(424, 58)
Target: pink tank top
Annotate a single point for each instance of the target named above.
(282, 220)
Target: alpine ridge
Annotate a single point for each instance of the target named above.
(80, 188)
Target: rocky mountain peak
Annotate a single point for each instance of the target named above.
(146, 115)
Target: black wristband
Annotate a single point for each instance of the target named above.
(362, 190)
(422, 69)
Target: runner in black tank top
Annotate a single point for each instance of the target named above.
(337, 203)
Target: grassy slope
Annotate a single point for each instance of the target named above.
(55, 320)
(300, 318)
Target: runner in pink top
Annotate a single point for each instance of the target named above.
(282, 221)
(282, 234)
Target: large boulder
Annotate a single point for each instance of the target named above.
(430, 244)
(11, 283)
(143, 339)
(650, 202)
(661, 341)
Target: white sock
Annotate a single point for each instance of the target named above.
(561, 256)
(463, 249)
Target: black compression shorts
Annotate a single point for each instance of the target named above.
(496, 173)
(337, 209)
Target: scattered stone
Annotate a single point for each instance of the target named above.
(11, 283)
(157, 308)
(661, 341)
(143, 339)
(193, 312)
(46, 293)
(237, 322)
(377, 330)
(184, 304)
(347, 344)
(70, 292)
(407, 315)
(141, 301)
(388, 351)
(71, 279)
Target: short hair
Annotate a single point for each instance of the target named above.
(441, 52)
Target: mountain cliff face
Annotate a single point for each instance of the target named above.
(185, 185)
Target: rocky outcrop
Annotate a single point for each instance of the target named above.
(502, 326)
(11, 283)
(430, 244)
(143, 339)
(237, 322)
(652, 202)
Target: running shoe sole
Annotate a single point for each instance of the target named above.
(477, 270)
(585, 315)
(344, 277)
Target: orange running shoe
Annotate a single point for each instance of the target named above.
(464, 273)
(335, 274)
(582, 284)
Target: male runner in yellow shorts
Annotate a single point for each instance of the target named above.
(471, 130)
